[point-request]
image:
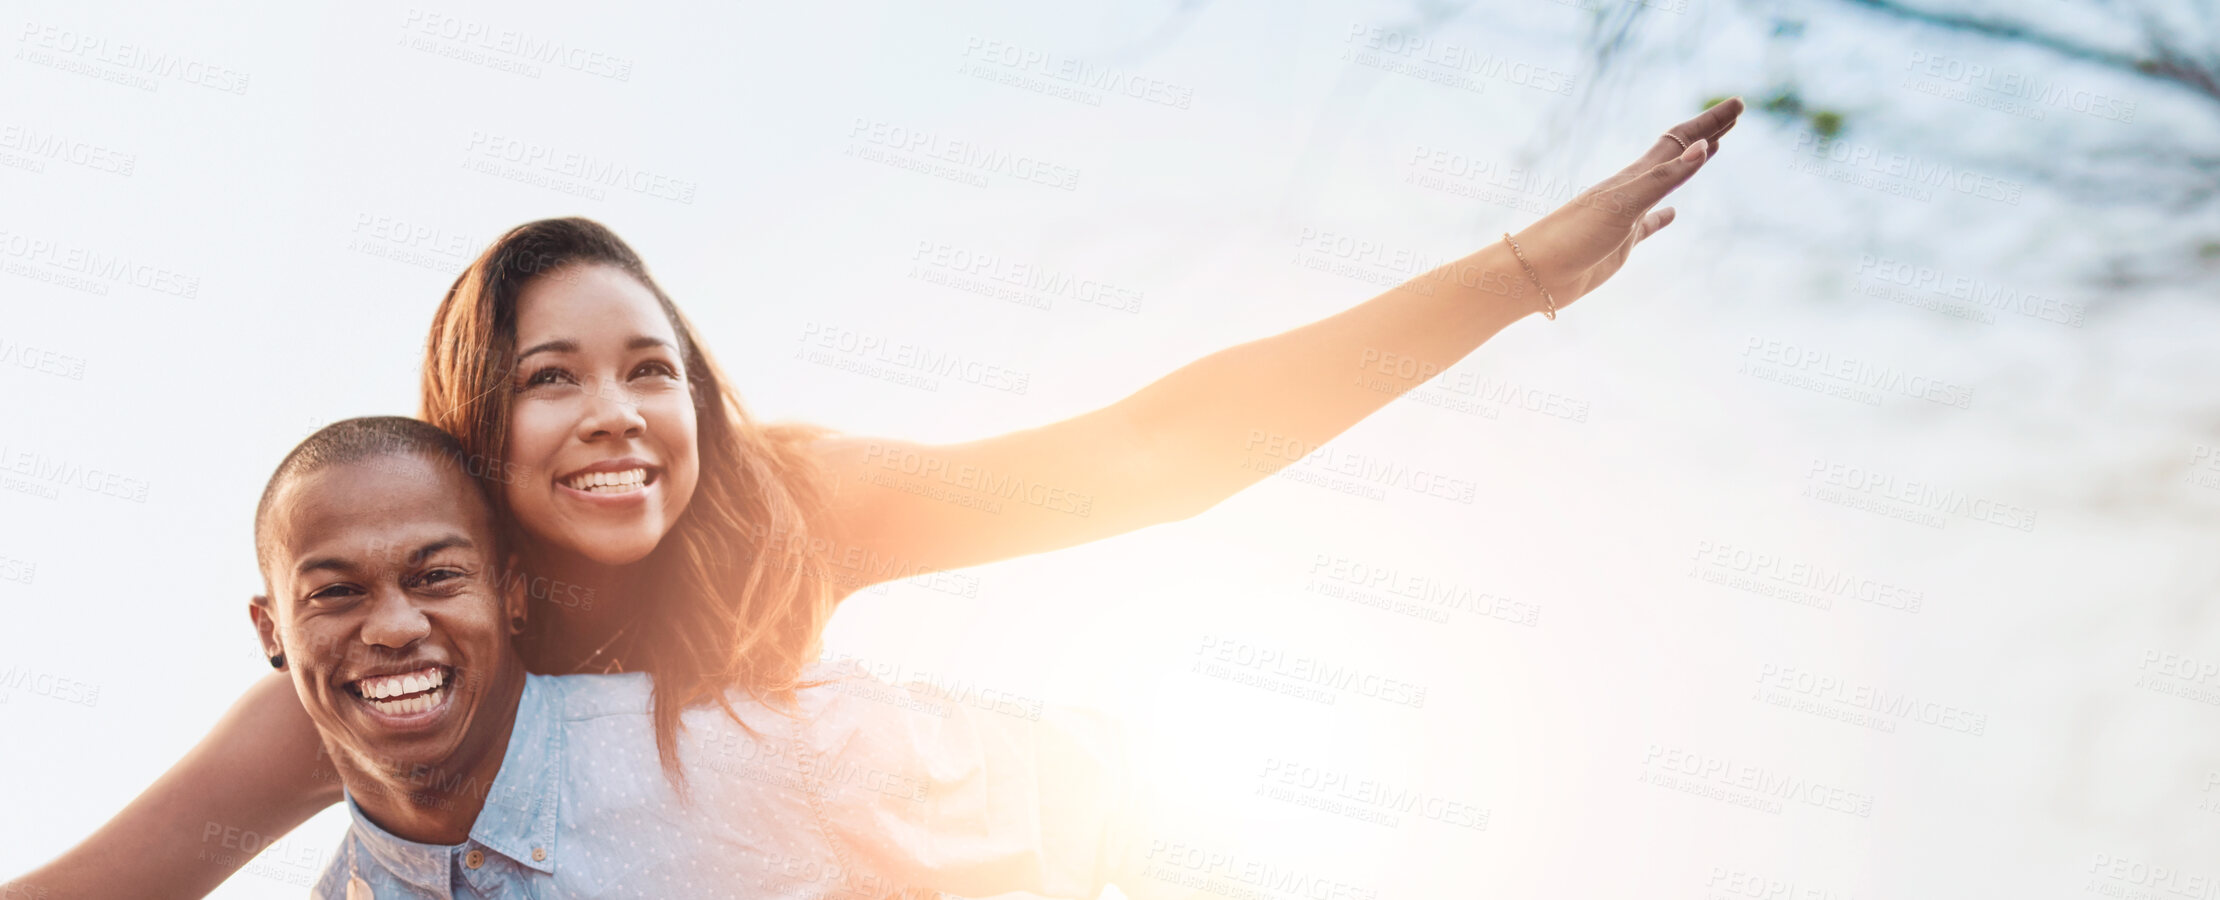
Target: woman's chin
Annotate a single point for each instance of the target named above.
(613, 548)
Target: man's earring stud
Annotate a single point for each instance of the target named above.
(278, 661)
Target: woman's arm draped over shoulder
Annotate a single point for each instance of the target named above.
(260, 771)
(1201, 434)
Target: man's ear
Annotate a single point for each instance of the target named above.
(513, 605)
(265, 626)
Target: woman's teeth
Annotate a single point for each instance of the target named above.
(400, 695)
(608, 482)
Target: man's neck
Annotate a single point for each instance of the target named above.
(438, 803)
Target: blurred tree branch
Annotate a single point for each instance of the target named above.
(2165, 62)
(2143, 168)
(2146, 166)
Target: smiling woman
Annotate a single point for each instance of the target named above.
(557, 353)
(614, 509)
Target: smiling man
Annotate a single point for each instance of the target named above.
(389, 603)
(384, 603)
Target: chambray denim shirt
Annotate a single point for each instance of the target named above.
(870, 790)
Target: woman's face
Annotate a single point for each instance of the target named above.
(601, 430)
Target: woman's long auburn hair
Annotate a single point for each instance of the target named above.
(737, 593)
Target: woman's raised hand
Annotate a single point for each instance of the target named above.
(1582, 243)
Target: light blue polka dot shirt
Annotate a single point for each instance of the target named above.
(867, 792)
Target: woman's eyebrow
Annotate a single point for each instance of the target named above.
(565, 345)
(560, 345)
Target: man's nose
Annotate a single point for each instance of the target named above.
(395, 621)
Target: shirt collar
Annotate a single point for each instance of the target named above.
(518, 818)
(423, 866)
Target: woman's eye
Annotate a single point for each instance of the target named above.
(549, 375)
(655, 367)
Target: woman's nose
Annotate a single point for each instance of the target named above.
(611, 410)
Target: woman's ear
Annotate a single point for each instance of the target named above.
(265, 628)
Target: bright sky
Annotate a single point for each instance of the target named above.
(1855, 484)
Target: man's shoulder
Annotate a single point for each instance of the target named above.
(614, 714)
(333, 884)
(579, 697)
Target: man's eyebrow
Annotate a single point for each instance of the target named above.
(450, 542)
(332, 563)
(416, 557)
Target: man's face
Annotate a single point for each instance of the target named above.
(386, 601)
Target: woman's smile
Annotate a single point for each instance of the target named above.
(612, 482)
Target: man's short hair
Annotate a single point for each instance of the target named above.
(353, 440)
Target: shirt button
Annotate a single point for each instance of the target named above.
(474, 859)
(539, 854)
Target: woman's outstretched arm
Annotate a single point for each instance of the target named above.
(1217, 425)
(260, 772)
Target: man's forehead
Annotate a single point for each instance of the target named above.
(378, 509)
(368, 548)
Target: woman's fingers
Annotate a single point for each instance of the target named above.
(1732, 120)
(1722, 133)
(1711, 121)
(1610, 209)
(1635, 197)
(1707, 125)
(1653, 223)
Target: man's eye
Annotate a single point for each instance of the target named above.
(333, 593)
(438, 576)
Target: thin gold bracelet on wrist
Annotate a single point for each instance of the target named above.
(1549, 304)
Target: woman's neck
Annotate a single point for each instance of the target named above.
(587, 605)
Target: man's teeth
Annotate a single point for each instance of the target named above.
(387, 686)
(414, 703)
(608, 482)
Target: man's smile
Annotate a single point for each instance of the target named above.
(405, 697)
